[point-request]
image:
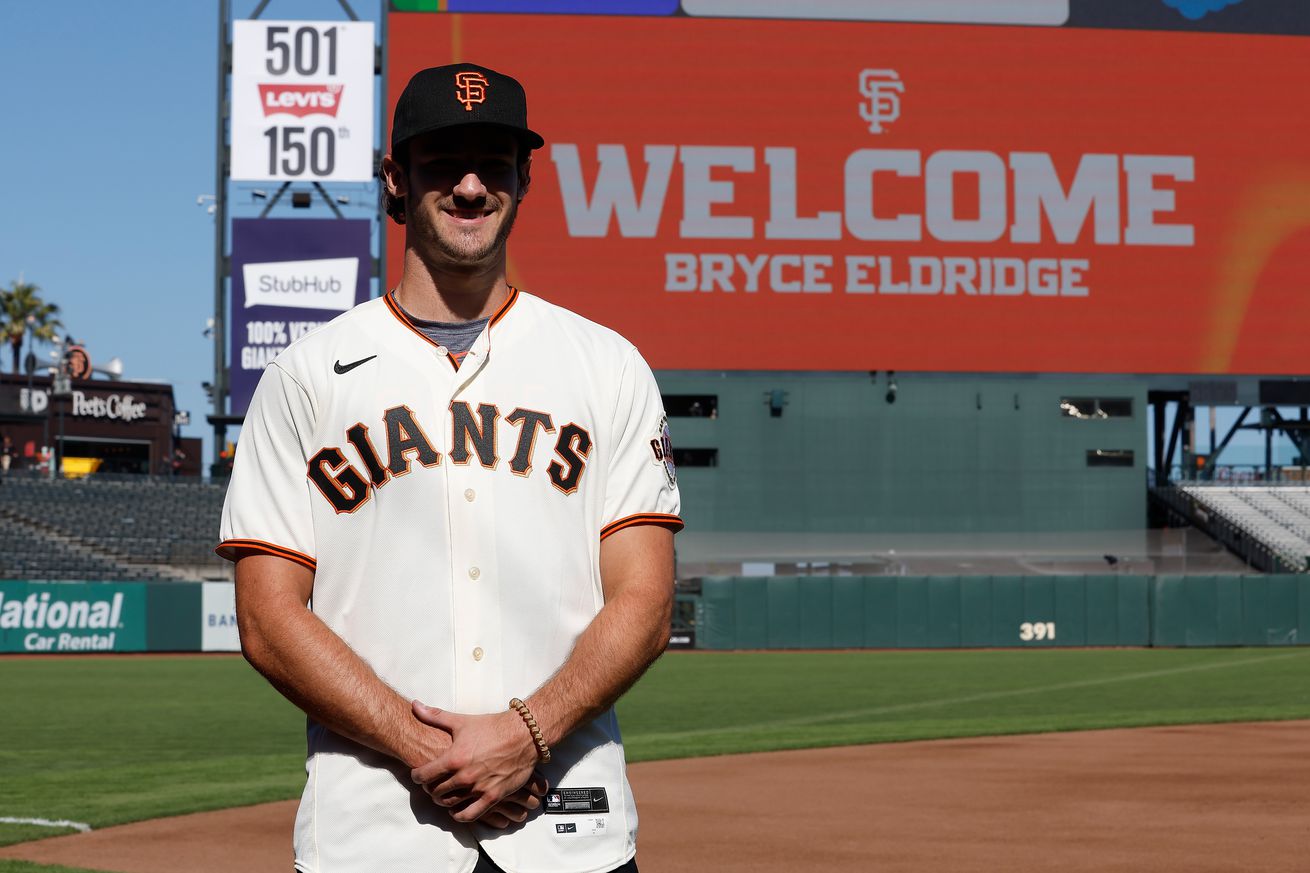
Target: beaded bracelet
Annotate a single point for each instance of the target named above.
(543, 751)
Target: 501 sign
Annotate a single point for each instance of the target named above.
(302, 101)
(300, 50)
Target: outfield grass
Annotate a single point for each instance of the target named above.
(111, 740)
(721, 703)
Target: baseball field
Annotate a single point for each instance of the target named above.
(95, 742)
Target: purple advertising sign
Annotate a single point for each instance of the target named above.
(289, 275)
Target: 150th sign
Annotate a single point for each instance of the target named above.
(302, 101)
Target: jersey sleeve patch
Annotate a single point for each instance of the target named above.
(661, 446)
(640, 478)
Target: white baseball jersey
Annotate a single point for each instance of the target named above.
(453, 518)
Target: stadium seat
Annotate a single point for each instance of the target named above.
(111, 529)
(1278, 516)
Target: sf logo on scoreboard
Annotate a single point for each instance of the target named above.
(302, 101)
(882, 90)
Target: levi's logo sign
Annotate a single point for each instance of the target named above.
(300, 100)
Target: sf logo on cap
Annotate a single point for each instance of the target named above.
(470, 88)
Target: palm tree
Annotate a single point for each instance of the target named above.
(20, 306)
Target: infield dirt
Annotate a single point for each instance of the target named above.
(1191, 799)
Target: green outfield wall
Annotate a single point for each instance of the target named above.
(948, 612)
(777, 612)
(951, 454)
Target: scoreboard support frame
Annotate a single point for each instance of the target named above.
(220, 418)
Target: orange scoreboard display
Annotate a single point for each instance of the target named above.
(798, 195)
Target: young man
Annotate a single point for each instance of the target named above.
(469, 488)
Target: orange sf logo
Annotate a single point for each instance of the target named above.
(471, 88)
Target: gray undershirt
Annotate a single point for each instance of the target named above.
(457, 336)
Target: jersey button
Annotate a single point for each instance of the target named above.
(477, 653)
(474, 572)
(470, 494)
(442, 350)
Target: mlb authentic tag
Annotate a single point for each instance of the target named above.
(584, 827)
(577, 801)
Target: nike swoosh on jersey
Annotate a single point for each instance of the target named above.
(339, 369)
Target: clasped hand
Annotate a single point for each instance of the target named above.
(486, 775)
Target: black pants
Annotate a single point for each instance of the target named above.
(486, 865)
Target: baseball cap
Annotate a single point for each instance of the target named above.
(460, 94)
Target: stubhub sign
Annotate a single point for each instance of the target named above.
(289, 277)
(328, 283)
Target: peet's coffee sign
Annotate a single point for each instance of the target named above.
(123, 407)
(106, 406)
(128, 425)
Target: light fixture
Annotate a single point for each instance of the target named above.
(891, 386)
(775, 400)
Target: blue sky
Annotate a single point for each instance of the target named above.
(107, 141)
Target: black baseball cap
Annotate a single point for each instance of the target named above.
(461, 94)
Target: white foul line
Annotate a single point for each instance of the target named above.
(802, 721)
(47, 823)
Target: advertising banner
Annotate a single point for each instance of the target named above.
(1040, 12)
(62, 617)
(103, 402)
(289, 275)
(302, 101)
(1227, 16)
(1224, 16)
(218, 616)
(819, 195)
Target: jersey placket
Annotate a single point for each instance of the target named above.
(474, 565)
